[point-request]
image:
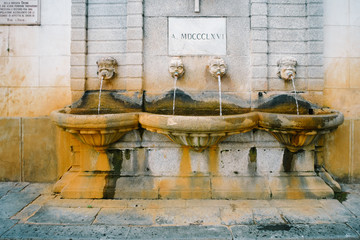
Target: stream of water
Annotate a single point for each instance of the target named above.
(175, 80)
(219, 81)
(297, 104)
(101, 83)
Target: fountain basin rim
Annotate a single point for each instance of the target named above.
(94, 121)
(199, 124)
(327, 120)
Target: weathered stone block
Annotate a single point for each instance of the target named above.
(133, 216)
(315, 9)
(259, 47)
(240, 188)
(105, 9)
(258, 59)
(287, 10)
(78, 47)
(78, 9)
(135, 33)
(259, 34)
(238, 43)
(60, 215)
(107, 47)
(294, 187)
(135, 8)
(155, 41)
(259, 22)
(39, 157)
(78, 22)
(259, 9)
(269, 160)
(288, 22)
(10, 152)
(233, 162)
(166, 162)
(134, 46)
(135, 21)
(184, 188)
(77, 72)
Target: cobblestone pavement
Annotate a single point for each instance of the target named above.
(31, 211)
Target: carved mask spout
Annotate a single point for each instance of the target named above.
(106, 67)
(176, 67)
(217, 67)
(287, 68)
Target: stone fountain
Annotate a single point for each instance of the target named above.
(245, 120)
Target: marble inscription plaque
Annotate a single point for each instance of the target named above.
(17, 12)
(197, 36)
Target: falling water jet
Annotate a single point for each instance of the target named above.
(175, 80)
(297, 104)
(101, 83)
(219, 82)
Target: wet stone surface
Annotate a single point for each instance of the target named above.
(58, 215)
(30, 212)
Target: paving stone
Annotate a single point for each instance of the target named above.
(285, 203)
(60, 215)
(5, 187)
(305, 215)
(113, 216)
(26, 231)
(300, 231)
(19, 186)
(109, 203)
(264, 216)
(330, 231)
(6, 224)
(353, 204)
(236, 216)
(282, 231)
(58, 202)
(160, 203)
(180, 232)
(12, 203)
(336, 210)
(41, 188)
(188, 216)
(27, 212)
(355, 225)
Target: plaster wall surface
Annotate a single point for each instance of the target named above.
(34, 63)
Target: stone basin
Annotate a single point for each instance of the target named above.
(198, 132)
(298, 131)
(96, 130)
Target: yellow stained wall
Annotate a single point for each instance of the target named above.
(342, 86)
(35, 63)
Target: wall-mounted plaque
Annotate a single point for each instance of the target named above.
(197, 36)
(17, 12)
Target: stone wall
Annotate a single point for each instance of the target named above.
(106, 28)
(32, 150)
(342, 85)
(34, 78)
